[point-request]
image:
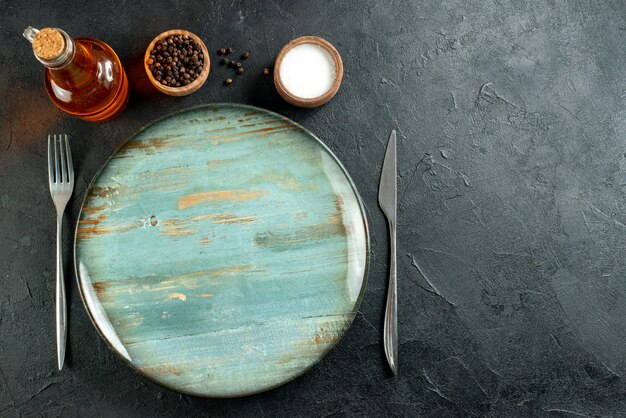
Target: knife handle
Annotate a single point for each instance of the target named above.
(390, 333)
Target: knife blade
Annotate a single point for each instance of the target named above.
(387, 199)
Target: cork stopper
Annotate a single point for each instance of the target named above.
(48, 44)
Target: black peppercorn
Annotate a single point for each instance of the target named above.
(240, 70)
(266, 71)
(224, 61)
(245, 55)
(228, 81)
(230, 50)
(238, 65)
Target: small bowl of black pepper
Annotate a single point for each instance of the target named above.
(177, 62)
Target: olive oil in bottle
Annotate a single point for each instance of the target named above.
(83, 76)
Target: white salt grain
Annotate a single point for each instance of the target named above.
(307, 71)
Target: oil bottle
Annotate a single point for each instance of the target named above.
(83, 76)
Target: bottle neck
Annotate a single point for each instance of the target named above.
(65, 58)
(69, 63)
(51, 46)
(79, 71)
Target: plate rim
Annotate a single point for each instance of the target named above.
(362, 209)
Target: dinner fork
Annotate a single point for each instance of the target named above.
(61, 179)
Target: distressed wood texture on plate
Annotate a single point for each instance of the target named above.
(222, 250)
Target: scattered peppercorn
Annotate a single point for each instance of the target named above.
(176, 61)
(266, 71)
(235, 65)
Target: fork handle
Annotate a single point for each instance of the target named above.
(390, 332)
(61, 309)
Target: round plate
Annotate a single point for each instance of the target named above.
(222, 250)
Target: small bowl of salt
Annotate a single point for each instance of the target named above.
(308, 71)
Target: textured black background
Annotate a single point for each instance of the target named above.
(512, 194)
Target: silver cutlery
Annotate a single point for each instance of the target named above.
(387, 199)
(61, 179)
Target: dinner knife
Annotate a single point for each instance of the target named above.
(387, 199)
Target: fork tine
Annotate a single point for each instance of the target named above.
(70, 164)
(64, 178)
(56, 162)
(50, 166)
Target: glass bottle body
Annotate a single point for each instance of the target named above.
(92, 85)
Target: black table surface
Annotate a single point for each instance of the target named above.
(512, 195)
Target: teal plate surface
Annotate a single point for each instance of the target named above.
(222, 251)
